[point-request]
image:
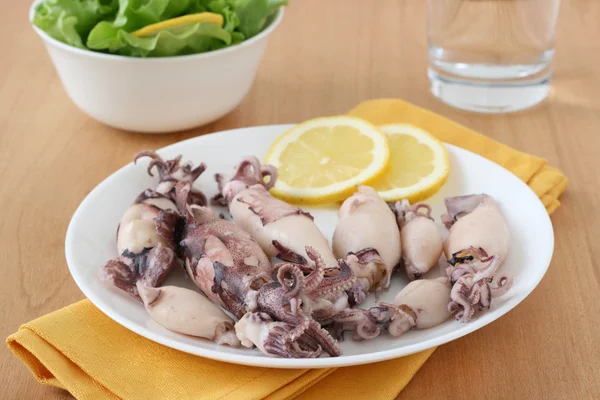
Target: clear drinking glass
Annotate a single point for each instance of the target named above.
(491, 55)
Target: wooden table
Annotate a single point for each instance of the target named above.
(327, 56)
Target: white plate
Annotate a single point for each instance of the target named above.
(90, 242)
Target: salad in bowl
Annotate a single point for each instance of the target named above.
(156, 66)
(154, 28)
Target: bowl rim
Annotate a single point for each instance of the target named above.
(190, 57)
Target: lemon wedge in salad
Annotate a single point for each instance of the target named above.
(418, 165)
(322, 160)
(179, 21)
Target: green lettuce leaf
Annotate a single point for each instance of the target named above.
(180, 40)
(231, 20)
(198, 6)
(70, 21)
(133, 15)
(254, 14)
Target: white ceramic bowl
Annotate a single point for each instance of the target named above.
(158, 95)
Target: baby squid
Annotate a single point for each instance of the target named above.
(281, 230)
(368, 237)
(146, 234)
(421, 304)
(421, 241)
(188, 312)
(475, 221)
(476, 246)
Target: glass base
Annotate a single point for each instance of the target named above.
(488, 97)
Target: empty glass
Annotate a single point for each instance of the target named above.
(491, 55)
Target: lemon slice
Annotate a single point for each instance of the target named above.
(418, 165)
(183, 20)
(322, 160)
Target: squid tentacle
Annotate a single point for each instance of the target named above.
(471, 290)
(504, 282)
(151, 266)
(247, 173)
(336, 284)
(170, 172)
(167, 168)
(182, 192)
(191, 173)
(299, 352)
(292, 278)
(164, 167)
(316, 277)
(270, 172)
(307, 343)
(359, 321)
(357, 294)
(299, 329)
(290, 304)
(249, 170)
(277, 340)
(367, 324)
(328, 343)
(402, 318)
(426, 207)
(405, 212)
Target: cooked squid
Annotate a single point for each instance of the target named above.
(281, 230)
(188, 312)
(368, 237)
(146, 241)
(421, 241)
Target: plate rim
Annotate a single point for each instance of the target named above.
(315, 363)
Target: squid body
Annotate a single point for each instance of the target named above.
(475, 221)
(367, 235)
(282, 230)
(421, 240)
(188, 312)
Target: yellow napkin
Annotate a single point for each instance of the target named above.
(80, 349)
(83, 351)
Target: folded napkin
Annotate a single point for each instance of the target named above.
(83, 351)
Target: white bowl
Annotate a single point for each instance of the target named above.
(158, 95)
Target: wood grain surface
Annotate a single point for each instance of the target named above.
(327, 56)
